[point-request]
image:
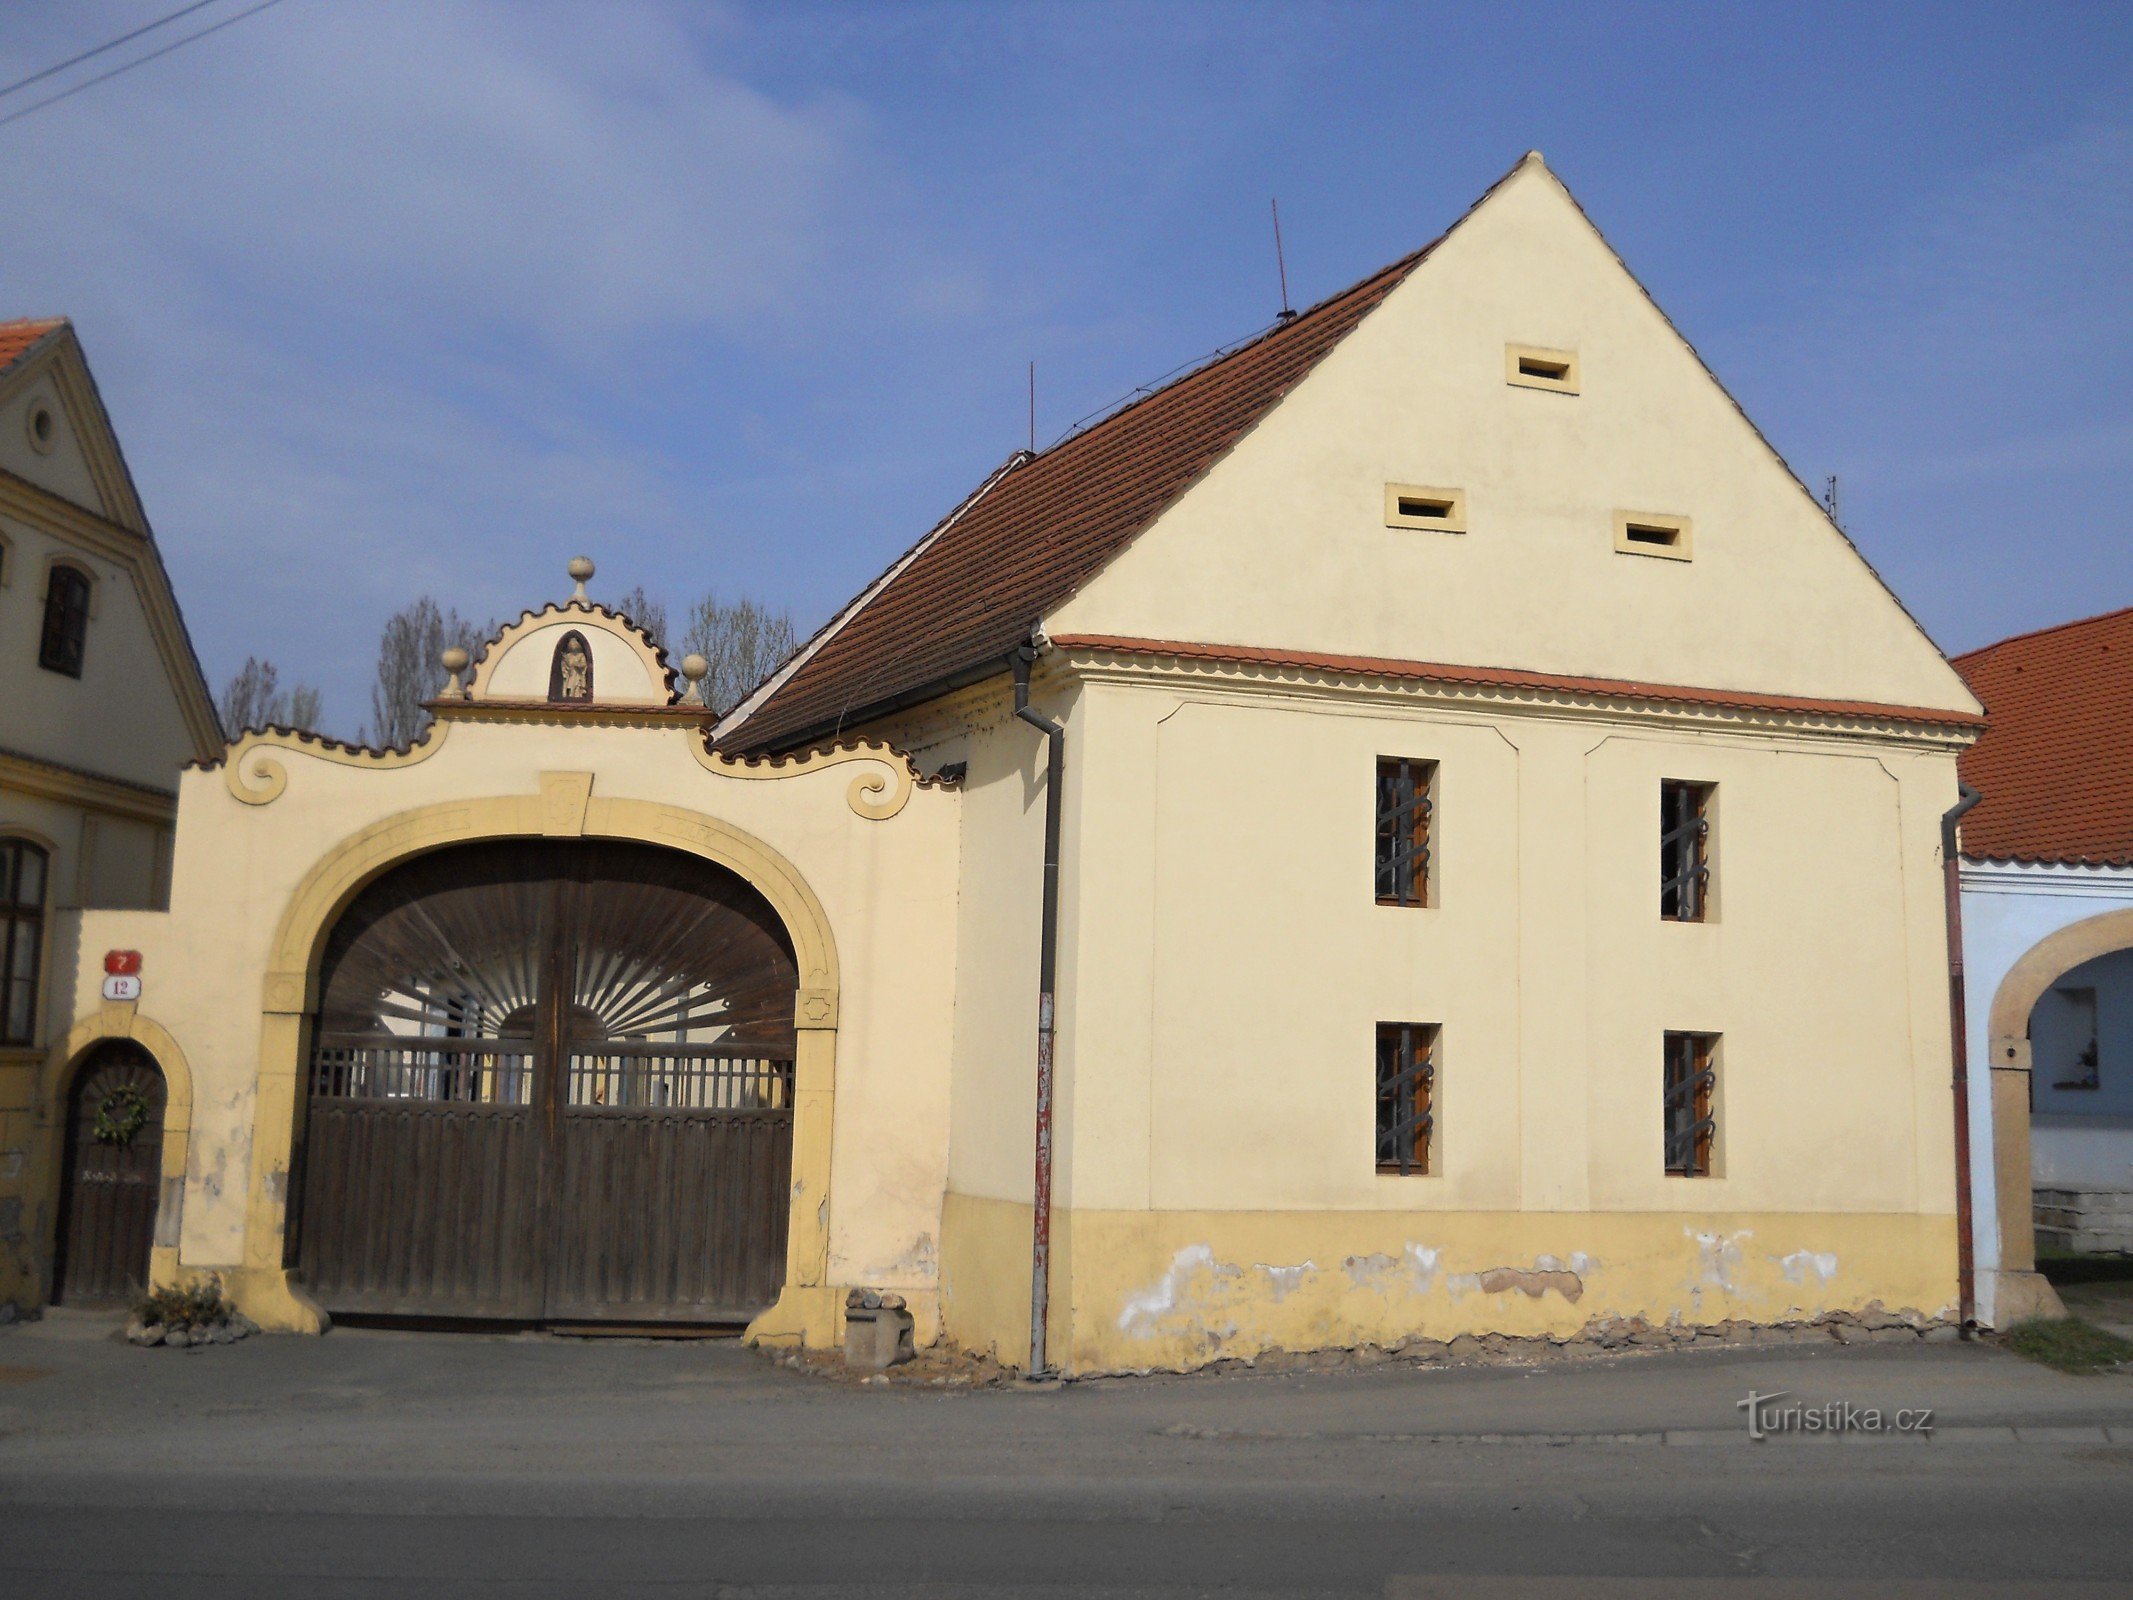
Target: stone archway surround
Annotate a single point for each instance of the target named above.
(2023, 1292)
(808, 1309)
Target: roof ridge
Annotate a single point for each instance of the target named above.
(2038, 633)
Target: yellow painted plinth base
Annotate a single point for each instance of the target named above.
(1173, 1290)
(808, 1316)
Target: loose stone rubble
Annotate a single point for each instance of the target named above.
(1603, 1338)
(222, 1331)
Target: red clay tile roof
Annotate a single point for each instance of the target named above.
(17, 338)
(2056, 764)
(1042, 529)
(1515, 678)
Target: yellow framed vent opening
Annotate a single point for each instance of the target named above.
(1409, 505)
(1532, 367)
(1650, 533)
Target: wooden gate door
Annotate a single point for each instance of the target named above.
(112, 1175)
(551, 1083)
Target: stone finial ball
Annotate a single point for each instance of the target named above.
(694, 668)
(581, 568)
(454, 659)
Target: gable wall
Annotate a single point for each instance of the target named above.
(121, 717)
(64, 468)
(1284, 543)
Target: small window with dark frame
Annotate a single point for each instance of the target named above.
(1684, 851)
(66, 621)
(1407, 1084)
(1406, 800)
(1691, 1074)
(22, 885)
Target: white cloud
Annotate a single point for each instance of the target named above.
(370, 288)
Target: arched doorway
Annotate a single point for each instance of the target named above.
(550, 1081)
(111, 1177)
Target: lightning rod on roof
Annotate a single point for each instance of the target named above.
(1033, 408)
(1829, 501)
(1281, 264)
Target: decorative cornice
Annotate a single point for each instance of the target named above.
(877, 795)
(604, 713)
(1511, 686)
(261, 782)
(1995, 875)
(55, 780)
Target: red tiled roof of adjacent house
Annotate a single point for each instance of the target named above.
(2056, 763)
(17, 338)
(1042, 528)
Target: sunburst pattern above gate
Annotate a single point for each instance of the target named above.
(650, 945)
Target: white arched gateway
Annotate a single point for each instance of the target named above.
(553, 1016)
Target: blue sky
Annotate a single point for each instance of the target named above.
(402, 296)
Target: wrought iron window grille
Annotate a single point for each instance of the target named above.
(1405, 808)
(1689, 1122)
(1406, 1096)
(1684, 851)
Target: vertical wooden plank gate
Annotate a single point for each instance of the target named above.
(111, 1175)
(551, 1083)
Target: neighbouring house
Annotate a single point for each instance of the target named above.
(1449, 818)
(101, 702)
(2047, 906)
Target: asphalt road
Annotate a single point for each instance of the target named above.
(418, 1465)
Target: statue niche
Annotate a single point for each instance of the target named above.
(570, 674)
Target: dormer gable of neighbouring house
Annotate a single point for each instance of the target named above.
(100, 672)
(54, 431)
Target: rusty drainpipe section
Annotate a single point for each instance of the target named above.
(1040, 1261)
(1959, 1028)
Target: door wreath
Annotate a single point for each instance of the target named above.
(123, 1114)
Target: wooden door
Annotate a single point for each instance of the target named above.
(111, 1178)
(551, 1083)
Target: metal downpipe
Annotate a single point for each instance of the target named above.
(1047, 968)
(1958, 1026)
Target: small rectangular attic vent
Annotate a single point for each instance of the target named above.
(1408, 505)
(1530, 367)
(1643, 533)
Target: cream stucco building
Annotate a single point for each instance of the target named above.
(103, 702)
(1493, 817)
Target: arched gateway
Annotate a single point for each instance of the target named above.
(550, 1081)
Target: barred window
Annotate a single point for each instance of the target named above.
(22, 875)
(1684, 850)
(66, 621)
(1407, 1083)
(1691, 1073)
(1406, 798)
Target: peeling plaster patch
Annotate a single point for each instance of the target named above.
(1579, 1263)
(1822, 1264)
(1719, 1256)
(1283, 1281)
(1143, 1310)
(1368, 1272)
(1531, 1282)
(1423, 1266)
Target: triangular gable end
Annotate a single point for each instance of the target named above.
(54, 430)
(60, 464)
(1539, 505)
